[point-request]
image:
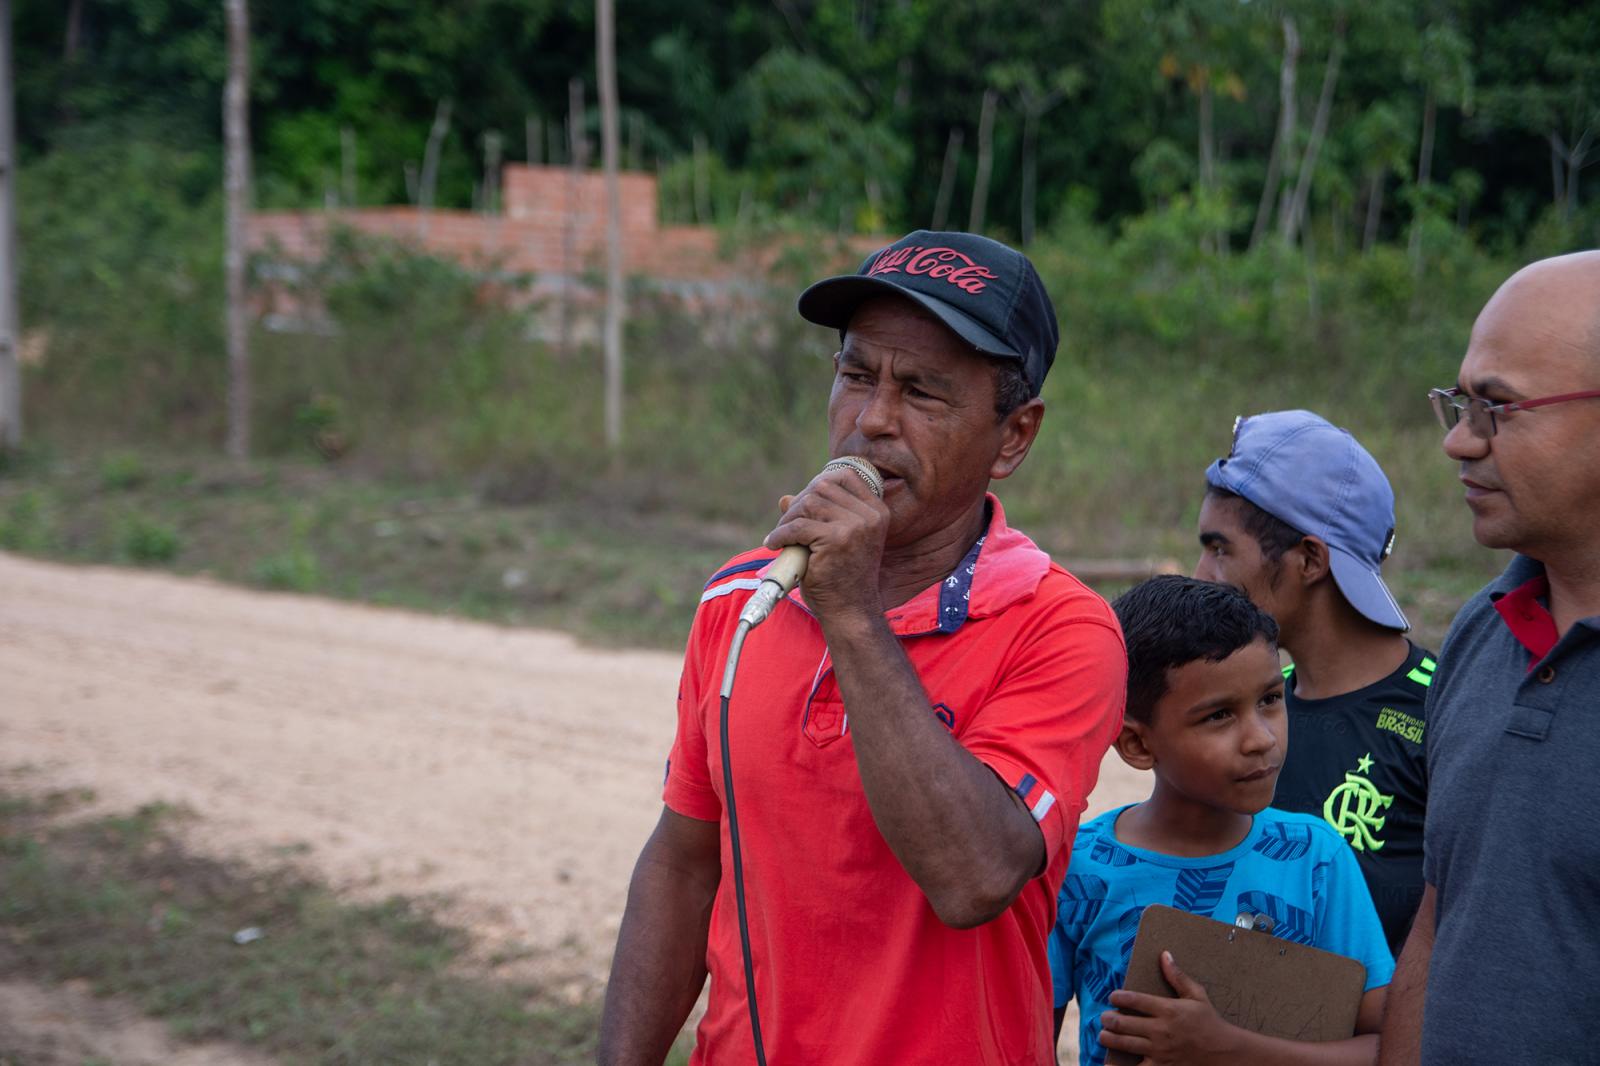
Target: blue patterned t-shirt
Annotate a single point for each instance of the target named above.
(1293, 867)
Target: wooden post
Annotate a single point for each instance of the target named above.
(605, 42)
(236, 127)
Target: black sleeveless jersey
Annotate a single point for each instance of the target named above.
(1357, 761)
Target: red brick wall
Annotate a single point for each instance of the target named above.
(554, 224)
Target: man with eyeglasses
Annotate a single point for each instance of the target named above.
(1500, 963)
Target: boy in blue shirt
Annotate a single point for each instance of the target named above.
(1205, 712)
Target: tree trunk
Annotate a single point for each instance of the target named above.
(635, 153)
(702, 181)
(347, 166)
(492, 148)
(1374, 212)
(1207, 150)
(577, 160)
(1283, 140)
(1424, 178)
(430, 163)
(10, 328)
(1430, 110)
(70, 45)
(1214, 242)
(236, 134)
(74, 34)
(1319, 134)
(980, 183)
(1558, 191)
(1030, 176)
(606, 65)
(533, 140)
(947, 178)
(902, 84)
(1575, 164)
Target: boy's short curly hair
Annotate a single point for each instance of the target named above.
(1169, 621)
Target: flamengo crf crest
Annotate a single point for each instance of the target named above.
(1352, 808)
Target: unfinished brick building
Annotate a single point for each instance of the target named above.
(551, 230)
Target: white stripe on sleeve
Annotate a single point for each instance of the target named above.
(730, 586)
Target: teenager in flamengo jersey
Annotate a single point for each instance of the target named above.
(1301, 517)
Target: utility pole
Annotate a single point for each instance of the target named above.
(236, 181)
(605, 42)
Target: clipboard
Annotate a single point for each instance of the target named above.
(1255, 980)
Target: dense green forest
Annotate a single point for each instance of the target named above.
(843, 112)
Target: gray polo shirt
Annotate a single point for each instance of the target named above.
(1512, 842)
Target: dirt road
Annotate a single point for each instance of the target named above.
(511, 770)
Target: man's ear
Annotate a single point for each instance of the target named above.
(1131, 746)
(1312, 563)
(1017, 433)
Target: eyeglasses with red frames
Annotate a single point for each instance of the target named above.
(1450, 404)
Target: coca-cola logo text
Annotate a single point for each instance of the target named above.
(946, 264)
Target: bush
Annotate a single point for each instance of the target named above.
(120, 471)
(147, 542)
(123, 234)
(27, 524)
(292, 571)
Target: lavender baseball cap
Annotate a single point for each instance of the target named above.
(1309, 473)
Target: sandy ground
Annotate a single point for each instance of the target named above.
(512, 771)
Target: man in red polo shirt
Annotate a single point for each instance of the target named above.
(914, 731)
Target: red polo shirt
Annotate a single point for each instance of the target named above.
(1026, 668)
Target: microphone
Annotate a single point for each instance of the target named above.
(790, 565)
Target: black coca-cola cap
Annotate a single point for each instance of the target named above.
(989, 294)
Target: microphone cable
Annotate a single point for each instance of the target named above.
(784, 574)
(735, 647)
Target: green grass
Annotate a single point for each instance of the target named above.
(118, 902)
(611, 576)
(603, 568)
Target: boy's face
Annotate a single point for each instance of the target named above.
(1219, 735)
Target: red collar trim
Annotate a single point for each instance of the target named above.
(1529, 620)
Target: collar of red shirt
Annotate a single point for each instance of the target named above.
(1519, 599)
(1002, 568)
